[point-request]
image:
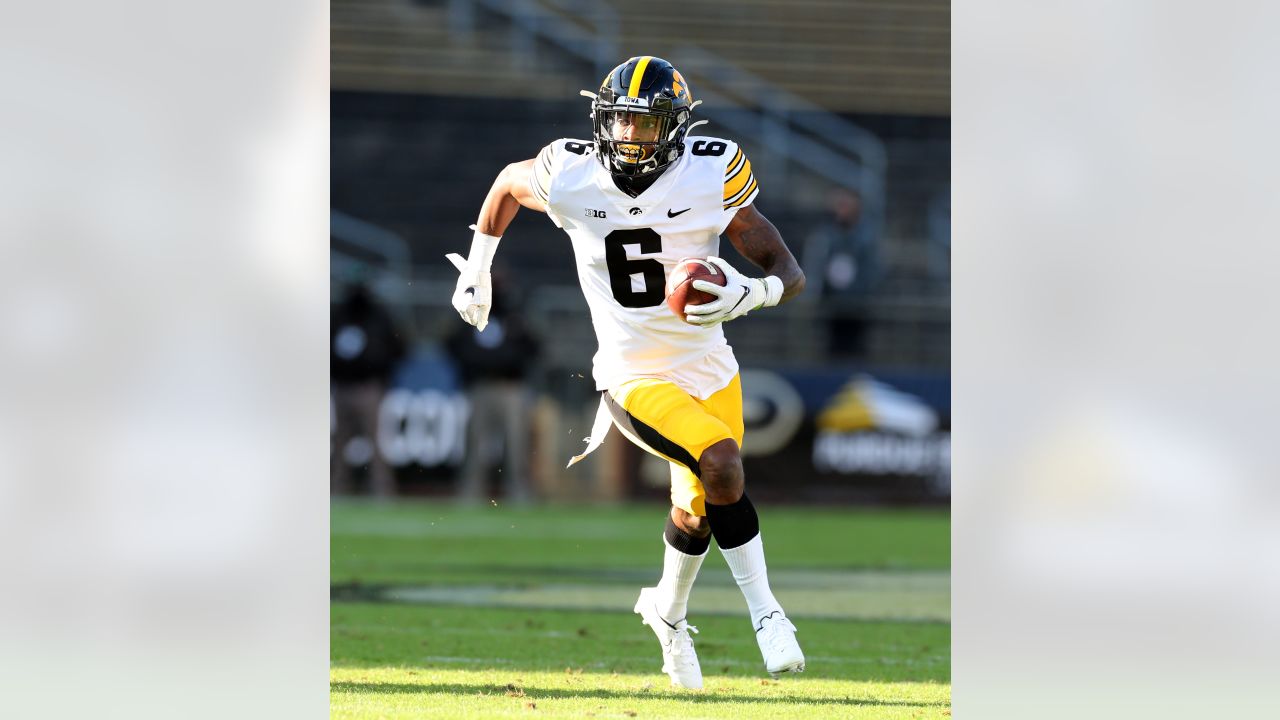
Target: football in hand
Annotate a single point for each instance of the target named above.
(680, 289)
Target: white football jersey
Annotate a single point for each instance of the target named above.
(625, 248)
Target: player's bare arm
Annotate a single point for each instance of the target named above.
(758, 241)
(510, 191)
(473, 295)
(761, 243)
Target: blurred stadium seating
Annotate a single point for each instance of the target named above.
(890, 57)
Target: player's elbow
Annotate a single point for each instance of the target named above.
(796, 286)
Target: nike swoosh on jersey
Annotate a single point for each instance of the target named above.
(673, 214)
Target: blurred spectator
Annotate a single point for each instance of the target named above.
(842, 266)
(363, 350)
(495, 364)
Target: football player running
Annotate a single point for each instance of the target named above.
(635, 200)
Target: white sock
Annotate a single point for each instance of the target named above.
(747, 564)
(678, 573)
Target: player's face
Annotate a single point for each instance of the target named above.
(639, 127)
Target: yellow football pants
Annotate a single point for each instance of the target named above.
(676, 426)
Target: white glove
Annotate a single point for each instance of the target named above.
(473, 295)
(739, 296)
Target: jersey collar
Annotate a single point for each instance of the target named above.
(651, 197)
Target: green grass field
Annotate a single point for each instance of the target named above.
(440, 611)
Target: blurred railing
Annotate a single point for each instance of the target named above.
(356, 246)
(793, 129)
(364, 252)
(590, 34)
(383, 244)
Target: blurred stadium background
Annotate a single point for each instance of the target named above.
(848, 391)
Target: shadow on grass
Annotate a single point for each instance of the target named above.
(539, 693)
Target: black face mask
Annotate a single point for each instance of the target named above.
(648, 158)
(633, 186)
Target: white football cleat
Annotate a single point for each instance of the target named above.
(679, 660)
(777, 639)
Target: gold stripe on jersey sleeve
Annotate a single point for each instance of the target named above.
(733, 165)
(747, 194)
(739, 180)
(637, 76)
(735, 170)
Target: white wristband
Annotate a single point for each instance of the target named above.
(772, 291)
(483, 248)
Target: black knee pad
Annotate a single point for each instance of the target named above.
(735, 524)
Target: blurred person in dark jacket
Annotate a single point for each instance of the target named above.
(842, 262)
(364, 347)
(494, 364)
